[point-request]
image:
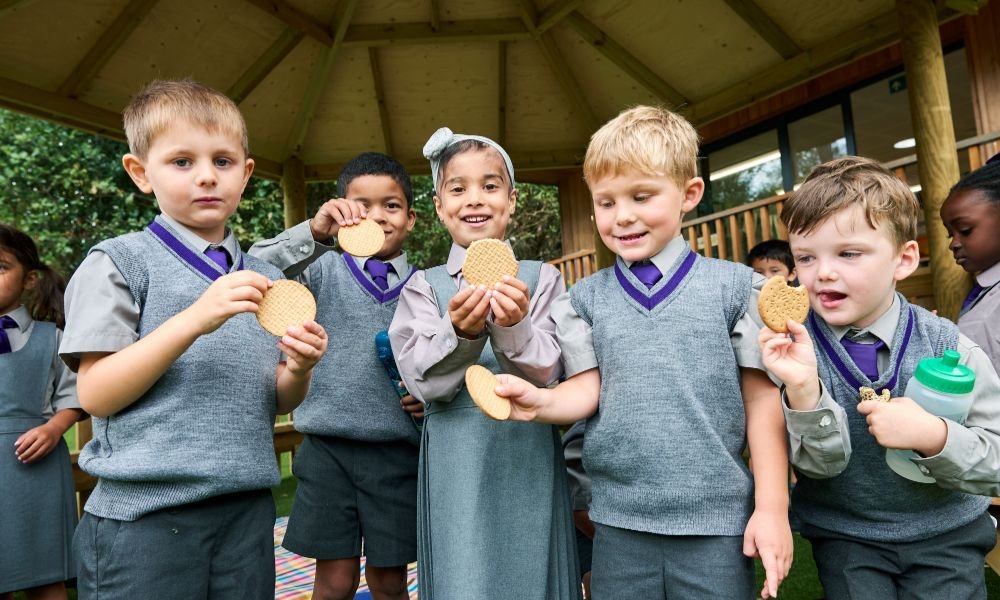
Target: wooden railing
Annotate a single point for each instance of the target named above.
(576, 266)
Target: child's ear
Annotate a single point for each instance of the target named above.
(247, 172)
(909, 260)
(693, 190)
(30, 280)
(437, 208)
(513, 201)
(791, 276)
(136, 169)
(411, 219)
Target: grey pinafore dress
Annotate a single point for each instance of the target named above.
(493, 513)
(37, 502)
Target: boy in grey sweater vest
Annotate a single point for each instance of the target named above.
(874, 533)
(182, 382)
(357, 466)
(661, 357)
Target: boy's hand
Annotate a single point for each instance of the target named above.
(413, 406)
(335, 214)
(304, 346)
(35, 444)
(903, 424)
(769, 538)
(793, 362)
(468, 309)
(525, 399)
(229, 295)
(509, 301)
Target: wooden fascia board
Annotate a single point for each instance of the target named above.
(264, 64)
(109, 42)
(383, 110)
(760, 22)
(290, 15)
(625, 61)
(555, 13)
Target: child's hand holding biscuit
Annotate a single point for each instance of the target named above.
(334, 214)
(905, 425)
(793, 361)
(468, 310)
(303, 346)
(228, 295)
(509, 301)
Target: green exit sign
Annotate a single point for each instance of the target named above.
(897, 84)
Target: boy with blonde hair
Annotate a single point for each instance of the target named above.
(662, 528)
(182, 382)
(875, 534)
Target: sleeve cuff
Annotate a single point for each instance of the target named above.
(578, 362)
(511, 340)
(959, 447)
(819, 422)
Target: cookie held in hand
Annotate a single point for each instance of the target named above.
(487, 261)
(778, 302)
(285, 303)
(364, 239)
(481, 382)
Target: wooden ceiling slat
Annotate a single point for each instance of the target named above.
(102, 51)
(625, 61)
(266, 63)
(292, 16)
(383, 109)
(555, 13)
(759, 21)
(472, 30)
(8, 4)
(318, 81)
(435, 15)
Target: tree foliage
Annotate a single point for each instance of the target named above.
(67, 189)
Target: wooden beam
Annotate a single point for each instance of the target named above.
(478, 30)
(634, 67)
(8, 4)
(435, 15)
(555, 13)
(264, 64)
(383, 111)
(502, 94)
(290, 15)
(293, 188)
(558, 65)
(102, 51)
(317, 81)
(759, 21)
(877, 33)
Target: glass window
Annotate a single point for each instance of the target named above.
(746, 171)
(816, 139)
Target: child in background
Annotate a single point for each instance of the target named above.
(852, 227)
(37, 405)
(971, 214)
(494, 515)
(661, 357)
(357, 465)
(181, 380)
(773, 257)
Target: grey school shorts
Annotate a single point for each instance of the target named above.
(354, 498)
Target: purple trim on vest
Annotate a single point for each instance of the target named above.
(388, 295)
(651, 302)
(198, 262)
(845, 370)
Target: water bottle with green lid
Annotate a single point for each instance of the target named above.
(943, 388)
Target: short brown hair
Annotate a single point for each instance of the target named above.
(648, 139)
(161, 102)
(854, 181)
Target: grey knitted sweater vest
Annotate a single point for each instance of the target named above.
(868, 500)
(205, 428)
(665, 447)
(351, 395)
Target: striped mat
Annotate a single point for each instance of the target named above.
(294, 574)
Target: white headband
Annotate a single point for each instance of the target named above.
(444, 137)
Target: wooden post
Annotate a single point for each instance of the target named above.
(982, 49)
(293, 186)
(575, 210)
(937, 156)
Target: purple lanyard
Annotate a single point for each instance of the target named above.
(651, 302)
(199, 262)
(383, 297)
(845, 370)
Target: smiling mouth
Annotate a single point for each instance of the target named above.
(630, 237)
(831, 296)
(475, 220)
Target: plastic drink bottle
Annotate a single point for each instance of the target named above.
(943, 388)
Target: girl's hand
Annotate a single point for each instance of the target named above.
(35, 444)
(793, 361)
(903, 424)
(525, 399)
(468, 309)
(411, 405)
(509, 302)
(229, 295)
(769, 538)
(304, 346)
(335, 214)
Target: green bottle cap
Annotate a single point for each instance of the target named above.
(945, 374)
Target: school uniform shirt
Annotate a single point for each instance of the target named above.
(60, 389)
(104, 317)
(577, 337)
(433, 359)
(970, 459)
(981, 322)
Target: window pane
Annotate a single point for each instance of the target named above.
(746, 171)
(816, 139)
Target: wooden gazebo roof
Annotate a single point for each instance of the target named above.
(322, 81)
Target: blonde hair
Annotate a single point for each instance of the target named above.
(648, 139)
(161, 102)
(854, 181)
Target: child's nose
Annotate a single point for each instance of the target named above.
(205, 175)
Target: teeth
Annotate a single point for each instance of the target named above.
(475, 219)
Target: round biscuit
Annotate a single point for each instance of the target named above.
(285, 303)
(364, 239)
(487, 261)
(481, 382)
(779, 302)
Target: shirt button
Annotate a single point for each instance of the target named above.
(924, 469)
(303, 249)
(449, 344)
(825, 421)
